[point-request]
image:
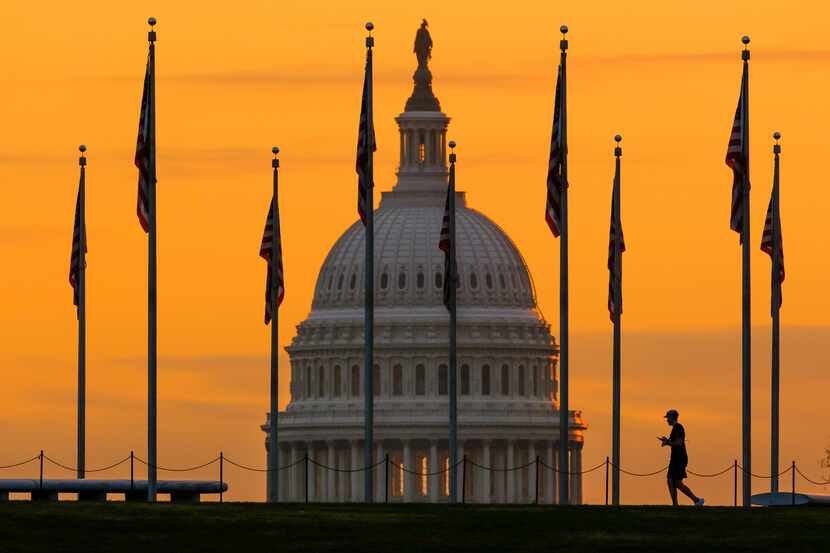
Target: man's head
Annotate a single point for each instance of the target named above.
(671, 416)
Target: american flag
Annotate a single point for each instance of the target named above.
(736, 159)
(265, 253)
(77, 259)
(556, 182)
(364, 149)
(143, 153)
(615, 240)
(767, 247)
(445, 242)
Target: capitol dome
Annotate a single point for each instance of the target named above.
(409, 265)
(507, 383)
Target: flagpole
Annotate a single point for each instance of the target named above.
(273, 480)
(152, 440)
(564, 419)
(746, 342)
(776, 307)
(453, 381)
(369, 295)
(615, 440)
(81, 460)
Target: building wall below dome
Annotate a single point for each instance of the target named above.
(413, 466)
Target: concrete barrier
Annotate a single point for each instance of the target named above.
(187, 491)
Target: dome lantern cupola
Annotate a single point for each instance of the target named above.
(423, 129)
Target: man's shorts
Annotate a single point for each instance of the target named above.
(676, 471)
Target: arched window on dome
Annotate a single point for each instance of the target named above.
(465, 380)
(355, 381)
(442, 380)
(402, 280)
(376, 383)
(321, 382)
(353, 281)
(336, 381)
(397, 380)
(522, 381)
(420, 380)
(439, 280)
(505, 380)
(384, 280)
(485, 380)
(473, 281)
(419, 280)
(340, 282)
(306, 382)
(331, 280)
(488, 281)
(502, 283)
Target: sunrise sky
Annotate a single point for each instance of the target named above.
(236, 79)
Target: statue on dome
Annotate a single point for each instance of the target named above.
(423, 44)
(422, 98)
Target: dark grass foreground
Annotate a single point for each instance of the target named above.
(255, 528)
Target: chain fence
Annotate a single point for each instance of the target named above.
(466, 464)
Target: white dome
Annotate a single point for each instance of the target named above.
(409, 266)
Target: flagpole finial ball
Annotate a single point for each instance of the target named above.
(370, 26)
(618, 138)
(452, 143)
(563, 29)
(275, 150)
(82, 148)
(151, 21)
(776, 135)
(745, 39)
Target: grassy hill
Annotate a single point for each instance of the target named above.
(249, 527)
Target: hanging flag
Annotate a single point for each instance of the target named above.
(767, 247)
(615, 241)
(142, 152)
(364, 149)
(556, 181)
(265, 253)
(736, 157)
(77, 259)
(445, 242)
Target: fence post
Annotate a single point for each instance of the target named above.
(607, 462)
(221, 475)
(41, 469)
(386, 479)
(537, 480)
(306, 477)
(464, 479)
(793, 482)
(132, 470)
(735, 479)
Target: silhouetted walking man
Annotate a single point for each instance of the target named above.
(679, 459)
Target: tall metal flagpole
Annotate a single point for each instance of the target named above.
(564, 433)
(615, 440)
(776, 307)
(746, 342)
(273, 481)
(453, 381)
(369, 274)
(81, 461)
(152, 441)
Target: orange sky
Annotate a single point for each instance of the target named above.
(232, 83)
